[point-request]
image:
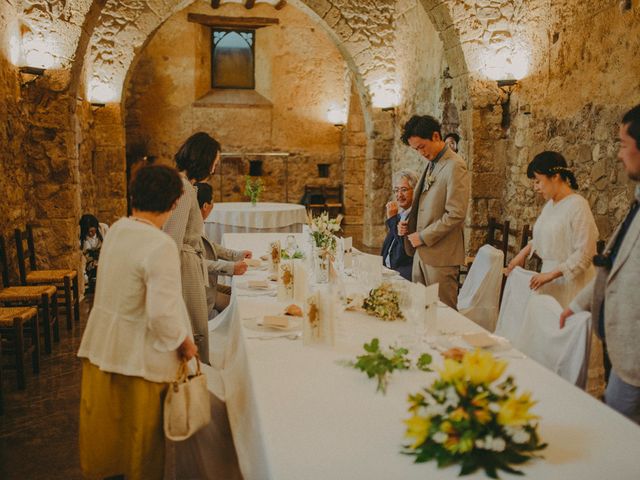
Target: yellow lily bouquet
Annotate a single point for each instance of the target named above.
(465, 417)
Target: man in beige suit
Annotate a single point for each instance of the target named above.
(612, 296)
(433, 233)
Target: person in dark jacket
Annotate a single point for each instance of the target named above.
(393, 253)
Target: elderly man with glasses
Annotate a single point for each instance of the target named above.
(393, 253)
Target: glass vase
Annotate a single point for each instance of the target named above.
(321, 265)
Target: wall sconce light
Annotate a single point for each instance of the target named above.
(337, 117)
(507, 87)
(626, 5)
(30, 74)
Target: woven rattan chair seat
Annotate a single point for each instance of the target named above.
(8, 314)
(43, 276)
(26, 293)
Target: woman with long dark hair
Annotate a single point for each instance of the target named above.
(196, 160)
(565, 234)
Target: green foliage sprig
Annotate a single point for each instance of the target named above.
(253, 188)
(379, 365)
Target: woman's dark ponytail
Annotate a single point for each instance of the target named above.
(550, 164)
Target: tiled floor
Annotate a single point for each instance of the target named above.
(39, 428)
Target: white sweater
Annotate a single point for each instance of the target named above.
(138, 319)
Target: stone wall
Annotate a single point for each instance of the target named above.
(421, 67)
(573, 103)
(15, 206)
(300, 75)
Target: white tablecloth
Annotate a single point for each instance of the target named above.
(242, 217)
(295, 413)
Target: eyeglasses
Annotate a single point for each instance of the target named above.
(402, 190)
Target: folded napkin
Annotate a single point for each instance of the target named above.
(480, 340)
(258, 284)
(274, 321)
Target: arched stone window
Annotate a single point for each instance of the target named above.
(232, 58)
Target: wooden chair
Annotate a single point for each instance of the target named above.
(1, 394)
(498, 237)
(66, 281)
(535, 262)
(333, 200)
(502, 243)
(16, 324)
(43, 297)
(313, 199)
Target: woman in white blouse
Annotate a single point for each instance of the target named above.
(136, 335)
(565, 234)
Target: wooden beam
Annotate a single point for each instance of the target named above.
(280, 5)
(231, 22)
(215, 3)
(249, 4)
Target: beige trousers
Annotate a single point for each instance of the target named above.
(447, 277)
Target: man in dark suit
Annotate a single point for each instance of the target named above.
(393, 253)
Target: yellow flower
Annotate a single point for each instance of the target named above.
(480, 400)
(452, 371)
(481, 368)
(461, 387)
(451, 444)
(465, 445)
(459, 414)
(483, 416)
(515, 410)
(418, 428)
(446, 427)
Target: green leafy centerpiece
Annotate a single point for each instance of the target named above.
(253, 189)
(466, 418)
(384, 302)
(380, 365)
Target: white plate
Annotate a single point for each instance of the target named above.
(295, 325)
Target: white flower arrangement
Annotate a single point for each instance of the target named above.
(323, 231)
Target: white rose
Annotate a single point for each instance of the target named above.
(440, 437)
(498, 445)
(521, 436)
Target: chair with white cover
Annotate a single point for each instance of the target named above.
(479, 298)
(563, 351)
(514, 301)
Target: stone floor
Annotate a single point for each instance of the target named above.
(39, 428)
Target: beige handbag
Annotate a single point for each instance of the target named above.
(187, 406)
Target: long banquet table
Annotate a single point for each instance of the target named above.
(296, 413)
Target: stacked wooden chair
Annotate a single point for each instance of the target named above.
(44, 297)
(65, 281)
(20, 334)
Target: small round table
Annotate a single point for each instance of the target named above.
(243, 217)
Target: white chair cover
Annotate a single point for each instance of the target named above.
(563, 351)
(514, 301)
(479, 297)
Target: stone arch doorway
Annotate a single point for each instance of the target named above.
(301, 83)
(364, 36)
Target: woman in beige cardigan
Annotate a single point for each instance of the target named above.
(196, 160)
(137, 332)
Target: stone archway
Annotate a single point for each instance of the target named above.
(107, 68)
